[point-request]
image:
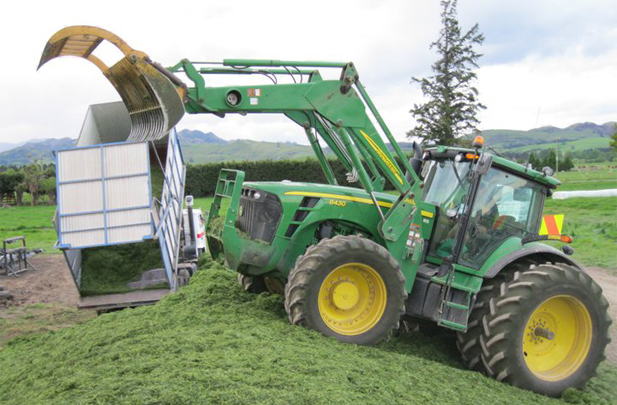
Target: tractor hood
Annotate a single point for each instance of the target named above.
(288, 188)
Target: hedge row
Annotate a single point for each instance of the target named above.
(201, 179)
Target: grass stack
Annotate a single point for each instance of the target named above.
(214, 343)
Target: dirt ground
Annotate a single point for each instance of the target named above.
(51, 284)
(608, 282)
(44, 300)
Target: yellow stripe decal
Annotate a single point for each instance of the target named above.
(383, 157)
(426, 214)
(339, 197)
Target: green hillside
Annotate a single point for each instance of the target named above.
(567, 146)
(576, 137)
(31, 151)
(213, 343)
(201, 147)
(244, 150)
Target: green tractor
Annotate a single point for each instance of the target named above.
(457, 243)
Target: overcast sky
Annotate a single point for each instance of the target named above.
(545, 62)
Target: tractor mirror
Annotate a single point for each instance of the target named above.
(484, 163)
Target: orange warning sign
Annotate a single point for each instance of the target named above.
(551, 225)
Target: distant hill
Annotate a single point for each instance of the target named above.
(35, 150)
(581, 136)
(205, 147)
(243, 149)
(7, 146)
(197, 151)
(195, 137)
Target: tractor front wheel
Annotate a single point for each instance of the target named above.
(252, 284)
(543, 329)
(347, 287)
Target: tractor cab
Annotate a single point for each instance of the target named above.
(481, 201)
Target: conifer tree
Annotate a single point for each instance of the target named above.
(452, 106)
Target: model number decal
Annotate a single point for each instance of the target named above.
(338, 203)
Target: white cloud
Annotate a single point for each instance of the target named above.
(537, 54)
(558, 91)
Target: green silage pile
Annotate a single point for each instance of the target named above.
(107, 270)
(213, 343)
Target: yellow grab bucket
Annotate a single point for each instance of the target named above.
(151, 94)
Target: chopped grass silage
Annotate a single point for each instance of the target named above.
(214, 343)
(108, 269)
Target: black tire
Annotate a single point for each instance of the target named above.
(252, 284)
(512, 304)
(355, 255)
(182, 278)
(468, 342)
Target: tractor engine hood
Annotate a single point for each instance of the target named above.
(286, 189)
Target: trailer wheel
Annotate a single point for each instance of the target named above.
(252, 284)
(545, 330)
(347, 287)
(182, 278)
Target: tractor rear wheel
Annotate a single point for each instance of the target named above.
(544, 329)
(468, 342)
(347, 287)
(252, 284)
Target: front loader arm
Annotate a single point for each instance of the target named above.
(336, 110)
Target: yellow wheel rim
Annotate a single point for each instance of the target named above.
(352, 299)
(557, 338)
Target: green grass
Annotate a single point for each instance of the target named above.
(589, 178)
(35, 223)
(568, 146)
(206, 202)
(592, 222)
(214, 343)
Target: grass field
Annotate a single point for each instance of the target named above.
(35, 223)
(592, 222)
(592, 178)
(575, 145)
(214, 343)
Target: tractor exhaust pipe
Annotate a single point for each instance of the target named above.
(416, 160)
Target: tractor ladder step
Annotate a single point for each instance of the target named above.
(453, 325)
(457, 306)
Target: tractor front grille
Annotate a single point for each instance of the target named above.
(259, 214)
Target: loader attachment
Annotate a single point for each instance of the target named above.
(152, 95)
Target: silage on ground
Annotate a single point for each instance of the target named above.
(214, 343)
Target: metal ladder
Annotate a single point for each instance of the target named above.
(446, 318)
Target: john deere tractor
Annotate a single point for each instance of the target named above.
(456, 243)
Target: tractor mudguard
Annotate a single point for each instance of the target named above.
(532, 249)
(154, 103)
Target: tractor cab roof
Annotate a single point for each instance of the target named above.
(450, 152)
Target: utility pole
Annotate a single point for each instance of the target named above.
(557, 158)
